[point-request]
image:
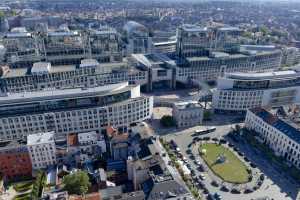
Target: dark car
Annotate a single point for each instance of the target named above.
(222, 141)
(231, 145)
(215, 183)
(259, 183)
(224, 188)
(206, 138)
(246, 159)
(201, 168)
(247, 191)
(210, 197)
(262, 177)
(235, 191)
(205, 191)
(240, 153)
(217, 196)
(253, 165)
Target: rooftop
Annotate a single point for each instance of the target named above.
(10, 98)
(263, 75)
(187, 105)
(40, 138)
(12, 144)
(193, 28)
(287, 127)
(19, 72)
(150, 60)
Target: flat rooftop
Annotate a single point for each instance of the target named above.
(40, 138)
(19, 72)
(10, 98)
(13, 144)
(187, 105)
(193, 28)
(263, 75)
(153, 59)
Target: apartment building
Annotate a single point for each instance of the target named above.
(42, 150)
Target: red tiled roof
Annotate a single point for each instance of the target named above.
(111, 131)
(72, 139)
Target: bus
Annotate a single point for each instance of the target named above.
(204, 131)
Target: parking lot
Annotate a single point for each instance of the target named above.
(275, 185)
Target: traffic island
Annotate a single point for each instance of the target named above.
(224, 163)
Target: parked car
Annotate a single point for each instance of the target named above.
(205, 190)
(201, 168)
(262, 177)
(247, 191)
(253, 165)
(224, 188)
(235, 191)
(210, 197)
(202, 177)
(217, 196)
(215, 183)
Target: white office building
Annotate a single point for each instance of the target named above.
(241, 91)
(138, 39)
(90, 73)
(187, 114)
(72, 110)
(62, 47)
(281, 135)
(42, 150)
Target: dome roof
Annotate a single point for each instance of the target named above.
(132, 26)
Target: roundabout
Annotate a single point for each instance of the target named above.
(224, 163)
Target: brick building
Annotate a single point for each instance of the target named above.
(14, 160)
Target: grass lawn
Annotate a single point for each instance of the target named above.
(233, 170)
(23, 186)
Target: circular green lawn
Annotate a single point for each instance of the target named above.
(233, 170)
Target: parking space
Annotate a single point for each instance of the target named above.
(213, 188)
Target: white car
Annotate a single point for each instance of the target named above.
(198, 162)
(185, 159)
(202, 177)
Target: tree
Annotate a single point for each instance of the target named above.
(38, 185)
(206, 115)
(264, 30)
(167, 121)
(237, 128)
(77, 183)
